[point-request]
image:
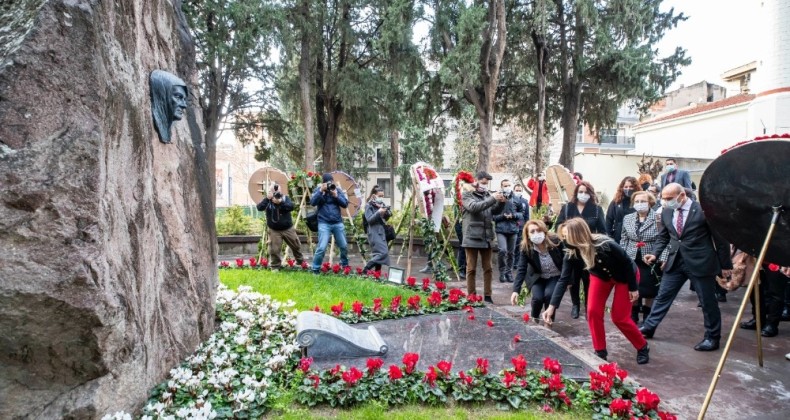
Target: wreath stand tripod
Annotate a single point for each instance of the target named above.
(753, 282)
(734, 188)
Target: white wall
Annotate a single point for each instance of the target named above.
(699, 136)
(605, 171)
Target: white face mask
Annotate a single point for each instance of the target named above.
(541, 178)
(537, 238)
(583, 197)
(672, 204)
(482, 187)
(641, 207)
(517, 193)
(507, 190)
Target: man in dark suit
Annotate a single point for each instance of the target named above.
(694, 253)
(675, 175)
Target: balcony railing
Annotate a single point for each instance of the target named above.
(613, 139)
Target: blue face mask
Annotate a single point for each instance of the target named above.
(670, 168)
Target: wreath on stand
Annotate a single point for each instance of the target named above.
(428, 181)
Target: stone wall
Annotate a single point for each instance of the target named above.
(107, 239)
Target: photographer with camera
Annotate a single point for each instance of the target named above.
(376, 215)
(278, 207)
(507, 225)
(329, 199)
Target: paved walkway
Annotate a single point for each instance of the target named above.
(677, 373)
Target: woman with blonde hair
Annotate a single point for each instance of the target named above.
(539, 266)
(610, 269)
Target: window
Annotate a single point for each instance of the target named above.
(382, 160)
(448, 188)
(384, 183)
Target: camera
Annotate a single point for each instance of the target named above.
(277, 194)
(330, 186)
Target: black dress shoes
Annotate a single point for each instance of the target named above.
(643, 355)
(488, 299)
(707, 344)
(602, 353)
(749, 325)
(575, 312)
(769, 331)
(721, 297)
(786, 313)
(646, 332)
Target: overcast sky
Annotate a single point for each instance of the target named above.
(717, 36)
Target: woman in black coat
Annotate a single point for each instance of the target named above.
(620, 207)
(583, 204)
(612, 271)
(539, 266)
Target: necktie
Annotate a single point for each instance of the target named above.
(679, 222)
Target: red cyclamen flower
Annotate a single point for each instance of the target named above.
(426, 284)
(351, 376)
(647, 400)
(490, 323)
(440, 285)
(304, 364)
(482, 366)
(620, 407)
(430, 376)
(520, 365)
(395, 373)
(444, 367)
(410, 361)
(374, 364)
(411, 281)
(357, 307)
(552, 365)
(435, 299)
(337, 309)
(414, 302)
(525, 317)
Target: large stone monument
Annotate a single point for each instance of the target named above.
(107, 244)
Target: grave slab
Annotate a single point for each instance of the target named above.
(452, 336)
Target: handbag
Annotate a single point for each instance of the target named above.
(743, 266)
(389, 232)
(311, 218)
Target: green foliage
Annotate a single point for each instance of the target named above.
(433, 249)
(233, 39)
(233, 221)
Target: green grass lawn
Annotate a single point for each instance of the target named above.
(374, 411)
(309, 290)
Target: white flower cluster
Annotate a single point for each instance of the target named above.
(236, 371)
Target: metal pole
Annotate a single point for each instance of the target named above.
(752, 282)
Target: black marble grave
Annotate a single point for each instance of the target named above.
(453, 337)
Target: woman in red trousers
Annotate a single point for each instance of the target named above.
(610, 269)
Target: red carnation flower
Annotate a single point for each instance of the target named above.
(525, 317)
(471, 317)
(773, 267)
(346, 270)
(435, 299)
(317, 308)
(440, 285)
(640, 244)
(411, 281)
(305, 265)
(516, 338)
(239, 262)
(490, 323)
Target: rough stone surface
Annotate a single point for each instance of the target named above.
(107, 238)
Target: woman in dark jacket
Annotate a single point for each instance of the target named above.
(620, 207)
(539, 266)
(376, 214)
(583, 204)
(610, 269)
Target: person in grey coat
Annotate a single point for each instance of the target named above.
(480, 206)
(376, 214)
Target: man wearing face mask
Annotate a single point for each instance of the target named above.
(675, 175)
(523, 203)
(693, 252)
(480, 206)
(507, 224)
(539, 191)
(620, 207)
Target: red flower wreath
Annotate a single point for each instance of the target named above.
(462, 176)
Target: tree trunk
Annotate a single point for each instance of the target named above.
(329, 152)
(541, 51)
(570, 124)
(394, 137)
(484, 148)
(304, 90)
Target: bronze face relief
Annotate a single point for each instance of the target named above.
(168, 101)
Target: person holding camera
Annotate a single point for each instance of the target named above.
(278, 207)
(507, 231)
(329, 199)
(480, 206)
(376, 214)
